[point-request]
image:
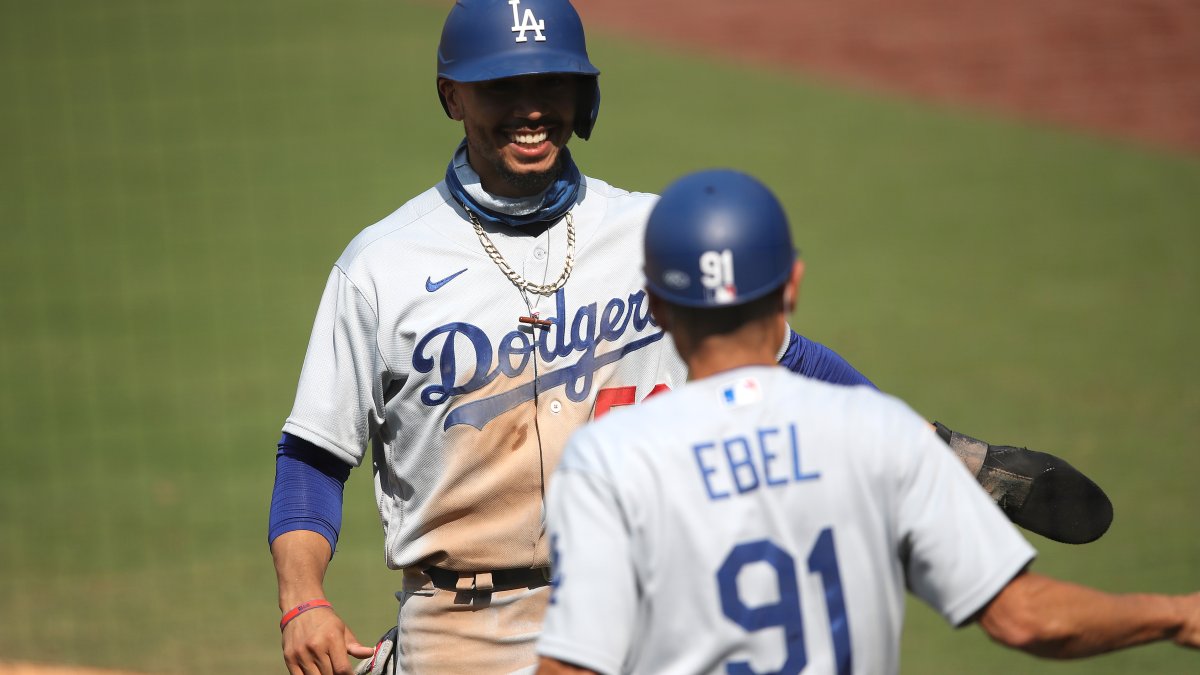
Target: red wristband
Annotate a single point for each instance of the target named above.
(300, 609)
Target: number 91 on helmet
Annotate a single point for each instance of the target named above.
(717, 238)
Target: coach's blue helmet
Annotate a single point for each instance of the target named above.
(717, 238)
(493, 39)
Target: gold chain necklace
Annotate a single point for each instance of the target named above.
(519, 281)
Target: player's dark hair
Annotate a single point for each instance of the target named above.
(702, 322)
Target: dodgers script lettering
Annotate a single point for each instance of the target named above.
(588, 329)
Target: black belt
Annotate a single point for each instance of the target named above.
(489, 582)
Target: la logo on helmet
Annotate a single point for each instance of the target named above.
(527, 23)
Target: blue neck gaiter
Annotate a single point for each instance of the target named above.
(549, 206)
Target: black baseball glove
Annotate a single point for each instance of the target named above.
(1038, 491)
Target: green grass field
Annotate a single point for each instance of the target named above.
(177, 178)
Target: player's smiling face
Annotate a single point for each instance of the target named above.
(516, 128)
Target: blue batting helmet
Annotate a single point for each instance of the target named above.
(493, 39)
(716, 238)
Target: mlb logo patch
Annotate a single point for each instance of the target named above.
(745, 391)
(723, 295)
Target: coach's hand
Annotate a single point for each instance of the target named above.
(318, 642)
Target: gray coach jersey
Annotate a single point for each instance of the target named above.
(417, 348)
(758, 521)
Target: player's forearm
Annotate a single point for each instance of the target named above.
(301, 559)
(1056, 619)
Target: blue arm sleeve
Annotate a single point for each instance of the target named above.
(815, 360)
(308, 490)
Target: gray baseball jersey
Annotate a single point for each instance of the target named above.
(758, 521)
(417, 347)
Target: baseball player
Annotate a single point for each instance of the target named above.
(753, 521)
(463, 337)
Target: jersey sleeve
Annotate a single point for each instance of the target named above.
(813, 359)
(958, 548)
(339, 396)
(593, 597)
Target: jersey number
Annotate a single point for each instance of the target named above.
(785, 613)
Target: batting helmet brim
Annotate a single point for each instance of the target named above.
(544, 62)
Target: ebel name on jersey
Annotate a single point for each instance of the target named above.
(590, 327)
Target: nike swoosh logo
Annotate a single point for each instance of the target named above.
(431, 285)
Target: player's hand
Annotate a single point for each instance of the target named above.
(319, 643)
(1189, 634)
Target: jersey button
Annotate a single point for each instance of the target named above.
(555, 407)
(539, 253)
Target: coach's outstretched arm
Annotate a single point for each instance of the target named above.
(1056, 619)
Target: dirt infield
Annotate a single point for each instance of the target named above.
(1130, 69)
(34, 669)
